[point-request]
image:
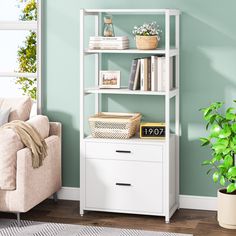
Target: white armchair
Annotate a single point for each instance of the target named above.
(32, 186)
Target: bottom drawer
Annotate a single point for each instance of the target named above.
(124, 186)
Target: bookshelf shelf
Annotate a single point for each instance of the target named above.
(173, 12)
(172, 52)
(152, 164)
(134, 139)
(171, 93)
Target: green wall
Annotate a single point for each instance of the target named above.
(208, 73)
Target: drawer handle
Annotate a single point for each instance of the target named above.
(123, 184)
(123, 151)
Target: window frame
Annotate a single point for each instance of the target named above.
(37, 27)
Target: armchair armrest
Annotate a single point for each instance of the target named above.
(55, 128)
(35, 185)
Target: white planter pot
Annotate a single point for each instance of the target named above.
(226, 209)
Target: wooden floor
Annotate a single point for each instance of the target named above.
(184, 221)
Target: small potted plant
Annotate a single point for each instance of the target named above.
(147, 36)
(222, 141)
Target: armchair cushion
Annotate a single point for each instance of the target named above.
(20, 107)
(41, 124)
(4, 114)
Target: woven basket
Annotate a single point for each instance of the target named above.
(146, 42)
(114, 125)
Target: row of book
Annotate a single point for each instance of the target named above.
(103, 43)
(149, 74)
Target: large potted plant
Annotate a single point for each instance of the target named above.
(222, 141)
(147, 36)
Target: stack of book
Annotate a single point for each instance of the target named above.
(149, 74)
(116, 43)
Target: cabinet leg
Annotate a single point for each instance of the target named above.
(81, 212)
(167, 220)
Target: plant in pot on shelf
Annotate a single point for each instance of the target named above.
(147, 36)
(222, 141)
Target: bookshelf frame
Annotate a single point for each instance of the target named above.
(168, 95)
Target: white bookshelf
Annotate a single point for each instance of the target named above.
(157, 193)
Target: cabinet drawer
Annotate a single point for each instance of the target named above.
(119, 151)
(124, 186)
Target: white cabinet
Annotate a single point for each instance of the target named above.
(124, 186)
(134, 175)
(123, 151)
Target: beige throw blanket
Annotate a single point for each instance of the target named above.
(31, 138)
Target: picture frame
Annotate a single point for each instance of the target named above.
(109, 79)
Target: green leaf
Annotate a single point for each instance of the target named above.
(220, 145)
(212, 119)
(213, 160)
(222, 180)
(231, 187)
(208, 116)
(233, 127)
(206, 111)
(215, 176)
(227, 151)
(225, 132)
(222, 168)
(230, 116)
(206, 162)
(204, 141)
(230, 110)
(228, 161)
(209, 171)
(217, 105)
(218, 157)
(233, 148)
(232, 171)
(215, 130)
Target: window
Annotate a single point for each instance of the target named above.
(20, 49)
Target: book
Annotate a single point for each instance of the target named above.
(137, 76)
(154, 77)
(132, 73)
(108, 44)
(115, 43)
(101, 38)
(161, 64)
(149, 74)
(144, 74)
(104, 47)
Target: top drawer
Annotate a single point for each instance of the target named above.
(119, 151)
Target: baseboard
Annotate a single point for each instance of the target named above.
(69, 193)
(186, 201)
(198, 202)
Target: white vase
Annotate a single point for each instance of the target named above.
(226, 209)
